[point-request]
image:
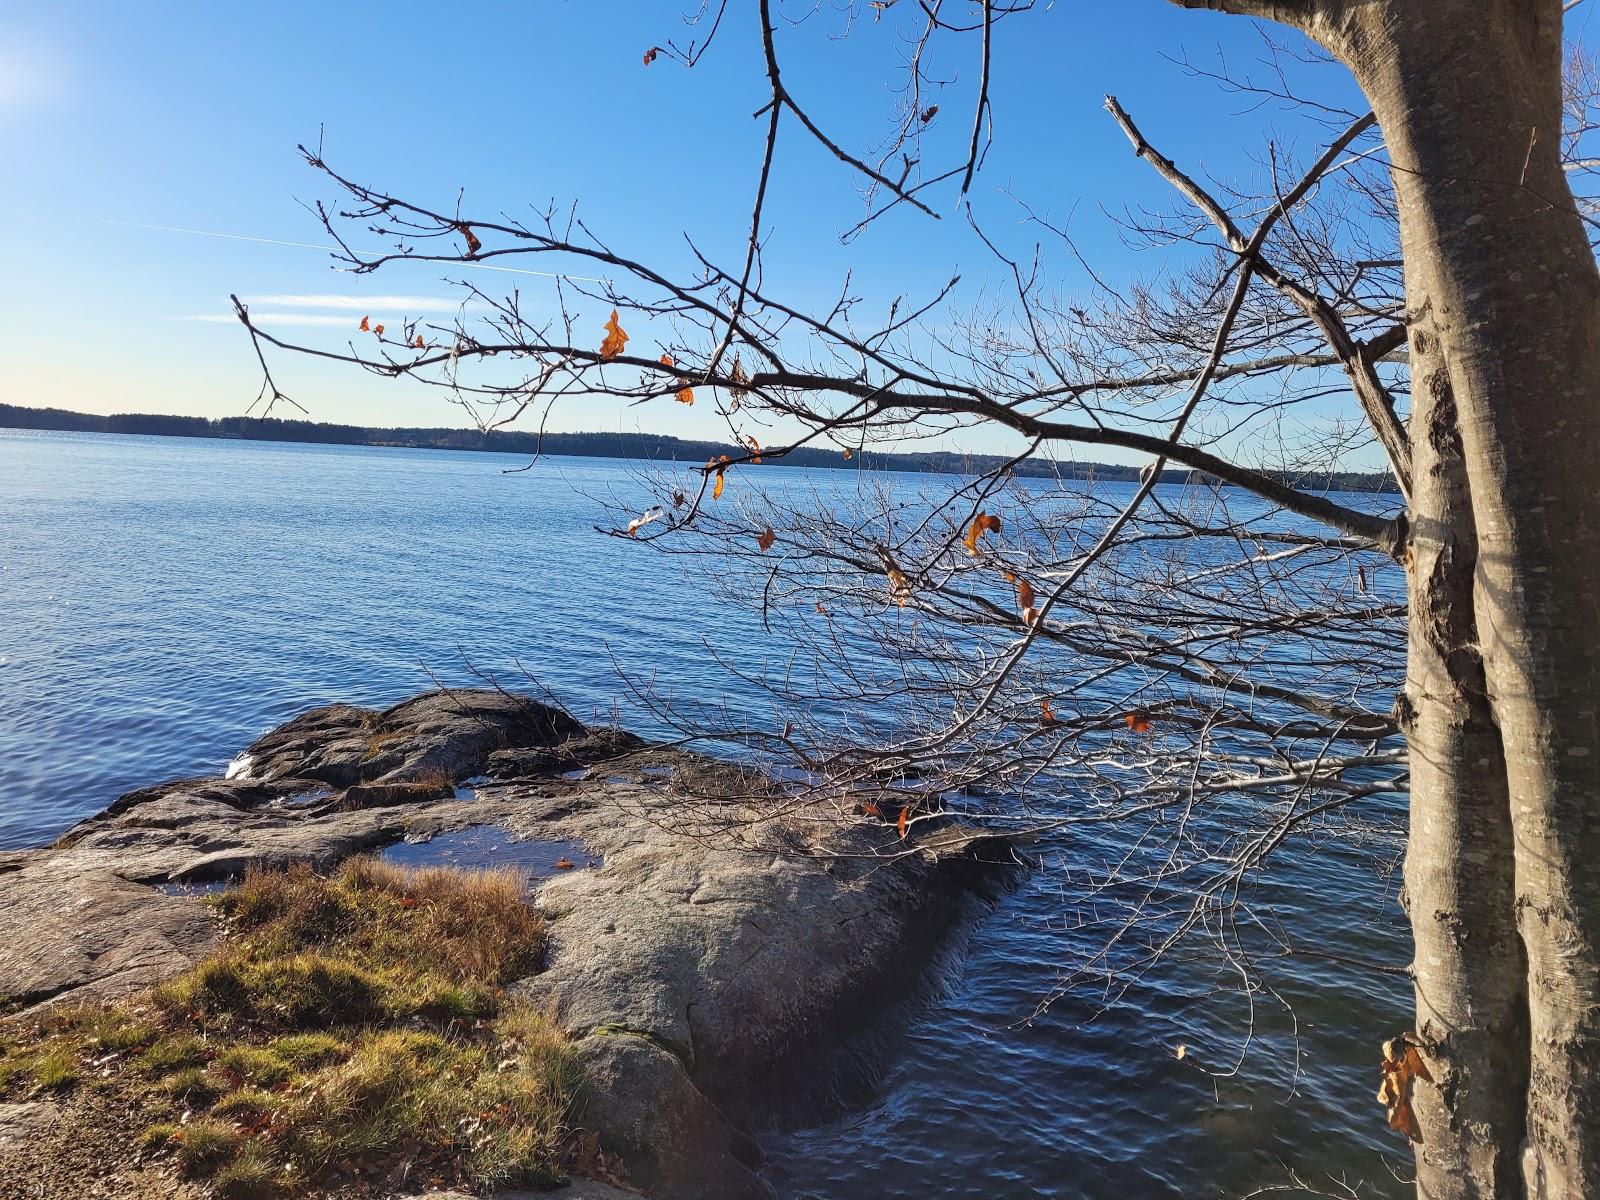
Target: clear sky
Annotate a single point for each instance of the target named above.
(186, 115)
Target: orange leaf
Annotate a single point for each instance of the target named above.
(650, 55)
(1414, 1064)
(419, 341)
(615, 339)
(473, 244)
(378, 329)
(820, 609)
(981, 524)
(1025, 598)
(1047, 718)
(1138, 720)
(565, 864)
(755, 448)
(684, 395)
(848, 454)
(666, 360)
(899, 586)
(905, 820)
(720, 464)
(766, 539)
(1402, 1066)
(871, 809)
(365, 327)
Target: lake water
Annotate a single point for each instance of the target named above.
(164, 601)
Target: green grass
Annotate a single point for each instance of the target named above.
(346, 1019)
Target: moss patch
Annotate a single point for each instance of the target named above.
(350, 1026)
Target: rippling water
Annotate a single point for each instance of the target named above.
(163, 601)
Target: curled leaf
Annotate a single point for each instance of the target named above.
(650, 55)
(473, 244)
(930, 113)
(981, 524)
(638, 523)
(720, 466)
(766, 539)
(848, 454)
(418, 343)
(366, 326)
(903, 822)
(820, 610)
(684, 395)
(1402, 1067)
(870, 809)
(737, 388)
(755, 448)
(899, 586)
(378, 329)
(1025, 599)
(1047, 717)
(615, 339)
(1138, 720)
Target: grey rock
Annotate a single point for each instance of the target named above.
(450, 732)
(19, 1122)
(709, 957)
(91, 934)
(675, 1142)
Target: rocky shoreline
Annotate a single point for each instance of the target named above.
(696, 975)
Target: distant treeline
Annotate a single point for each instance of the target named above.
(657, 447)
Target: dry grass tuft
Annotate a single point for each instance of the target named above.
(351, 1024)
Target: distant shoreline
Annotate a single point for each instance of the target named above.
(658, 447)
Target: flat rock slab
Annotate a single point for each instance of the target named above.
(709, 956)
(89, 933)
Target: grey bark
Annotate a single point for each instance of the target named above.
(1460, 886)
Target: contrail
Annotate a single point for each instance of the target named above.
(243, 237)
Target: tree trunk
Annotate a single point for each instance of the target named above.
(1460, 886)
(1468, 94)
(1499, 270)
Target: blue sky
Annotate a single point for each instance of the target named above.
(187, 115)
